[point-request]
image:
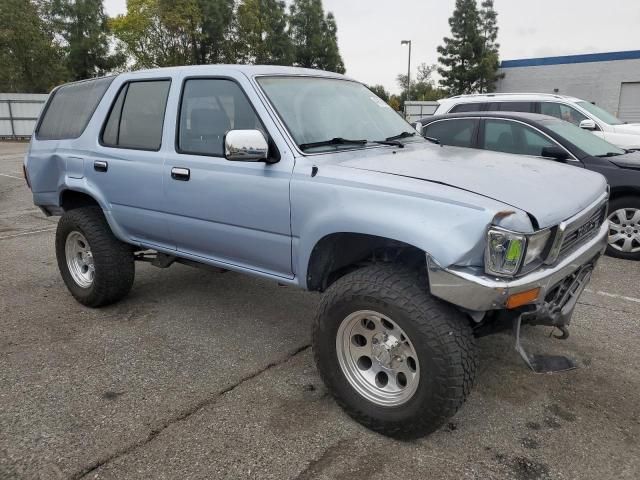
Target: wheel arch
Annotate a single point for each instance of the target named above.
(72, 197)
(624, 191)
(337, 254)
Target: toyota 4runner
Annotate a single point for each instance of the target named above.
(307, 178)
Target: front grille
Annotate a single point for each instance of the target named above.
(576, 235)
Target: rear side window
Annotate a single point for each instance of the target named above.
(527, 107)
(458, 133)
(467, 107)
(70, 109)
(561, 111)
(137, 116)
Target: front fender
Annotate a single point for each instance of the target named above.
(447, 223)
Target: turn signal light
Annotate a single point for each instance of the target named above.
(518, 299)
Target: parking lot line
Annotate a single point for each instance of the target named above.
(27, 233)
(10, 176)
(613, 295)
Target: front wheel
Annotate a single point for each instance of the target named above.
(396, 359)
(624, 228)
(97, 268)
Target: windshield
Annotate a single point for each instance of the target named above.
(334, 114)
(601, 114)
(588, 142)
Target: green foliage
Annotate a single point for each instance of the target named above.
(47, 42)
(469, 58)
(30, 59)
(262, 33)
(314, 36)
(82, 25)
(216, 43)
(159, 33)
(380, 91)
(423, 88)
(489, 62)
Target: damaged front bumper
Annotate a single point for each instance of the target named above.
(560, 285)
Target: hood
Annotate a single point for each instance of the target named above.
(628, 160)
(631, 128)
(549, 191)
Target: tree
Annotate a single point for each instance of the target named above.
(489, 62)
(262, 33)
(82, 24)
(423, 88)
(152, 32)
(314, 36)
(381, 92)
(469, 58)
(31, 61)
(216, 45)
(460, 53)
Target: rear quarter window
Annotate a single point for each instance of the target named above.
(467, 107)
(137, 116)
(70, 108)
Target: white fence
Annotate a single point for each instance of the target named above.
(415, 110)
(19, 113)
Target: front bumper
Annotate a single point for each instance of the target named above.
(479, 292)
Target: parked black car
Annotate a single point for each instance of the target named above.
(554, 139)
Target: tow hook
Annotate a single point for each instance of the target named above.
(564, 332)
(540, 363)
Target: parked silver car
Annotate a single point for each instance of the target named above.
(307, 178)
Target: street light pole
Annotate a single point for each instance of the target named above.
(407, 42)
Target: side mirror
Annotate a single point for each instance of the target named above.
(418, 127)
(245, 146)
(588, 124)
(555, 152)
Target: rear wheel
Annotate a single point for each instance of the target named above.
(624, 228)
(97, 268)
(396, 359)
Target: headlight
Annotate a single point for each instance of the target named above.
(536, 245)
(504, 252)
(507, 251)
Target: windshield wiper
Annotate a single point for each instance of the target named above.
(609, 154)
(393, 143)
(333, 141)
(401, 135)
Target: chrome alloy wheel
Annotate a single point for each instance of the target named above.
(624, 230)
(79, 259)
(377, 358)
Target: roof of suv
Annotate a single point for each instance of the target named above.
(246, 69)
(487, 97)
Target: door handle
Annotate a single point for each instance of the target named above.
(100, 166)
(182, 174)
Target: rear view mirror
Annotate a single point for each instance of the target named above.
(588, 124)
(556, 153)
(245, 146)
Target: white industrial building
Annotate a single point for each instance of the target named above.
(610, 80)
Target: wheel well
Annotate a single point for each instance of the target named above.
(623, 192)
(70, 199)
(340, 253)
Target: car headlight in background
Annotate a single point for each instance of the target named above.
(507, 251)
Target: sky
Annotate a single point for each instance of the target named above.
(370, 31)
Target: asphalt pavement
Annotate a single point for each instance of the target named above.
(202, 375)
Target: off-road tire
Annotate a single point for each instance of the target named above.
(617, 204)
(113, 259)
(440, 334)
